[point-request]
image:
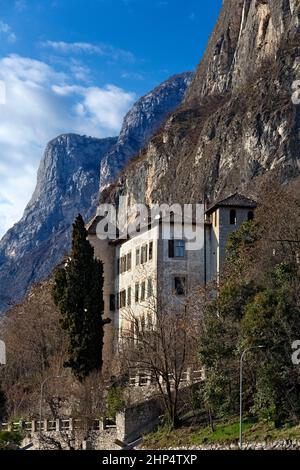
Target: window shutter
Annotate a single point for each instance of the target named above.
(112, 303)
(171, 248)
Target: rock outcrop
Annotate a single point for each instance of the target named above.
(141, 122)
(238, 122)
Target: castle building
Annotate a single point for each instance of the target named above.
(149, 266)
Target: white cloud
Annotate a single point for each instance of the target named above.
(20, 5)
(42, 103)
(75, 47)
(99, 106)
(81, 72)
(133, 76)
(7, 32)
(88, 48)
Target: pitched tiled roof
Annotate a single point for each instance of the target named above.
(235, 200)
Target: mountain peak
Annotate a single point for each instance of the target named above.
(141, 122)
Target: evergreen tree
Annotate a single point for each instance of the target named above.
(78, 292)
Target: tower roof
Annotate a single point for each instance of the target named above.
(235, 200)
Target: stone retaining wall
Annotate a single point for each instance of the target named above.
(267, 445)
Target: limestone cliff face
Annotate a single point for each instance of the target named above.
(238, 122)
(141, 122)
(67, 183)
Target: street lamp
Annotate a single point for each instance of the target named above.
(241, 391)
(2, 353)
(41, 402)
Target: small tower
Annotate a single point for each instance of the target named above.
(105, 252)
(223, 218)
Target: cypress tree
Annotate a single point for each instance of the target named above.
(78, 293)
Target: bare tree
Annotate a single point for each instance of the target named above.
(161, 343)
(35, 348)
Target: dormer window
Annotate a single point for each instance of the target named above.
(233, 219)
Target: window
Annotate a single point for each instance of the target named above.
(215, 218)
(137, 257)
(136, 292)
(132, 332)
(112, 302)
(179, 285)
(150, 287)
(143, 291)
(176, 248)
(233, 217)
(143, 324)
(123, 299)
(144, 251)
(250, 216)
(149, 321)
(136, 328)
(129, 296)
(118, 266)
(123, 265)
(150, 251)
(179, 248)
(129, 261)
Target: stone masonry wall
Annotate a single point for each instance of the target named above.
(137, 420)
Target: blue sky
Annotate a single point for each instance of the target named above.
(78, 66)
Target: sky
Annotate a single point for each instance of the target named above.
(78, 66)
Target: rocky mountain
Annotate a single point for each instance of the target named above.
(238, 124)
(68, 183)
(141, 122)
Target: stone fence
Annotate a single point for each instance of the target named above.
(54, 425)
(189, 377)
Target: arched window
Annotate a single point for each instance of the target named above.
(233, 217)
(250, 215)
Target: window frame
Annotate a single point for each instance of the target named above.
(137, 292)
(150, 254)
(233, 217)
(143, 291)
(129, 261)
(137, 256)
(129, 299)
(149, 287)
(122, 301)
(250, 216)
(172, 254)
(112, 302)
(144, 254)
(184, 285)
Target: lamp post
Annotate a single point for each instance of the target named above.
(41, 402)
(2, 353)
(241, 391)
